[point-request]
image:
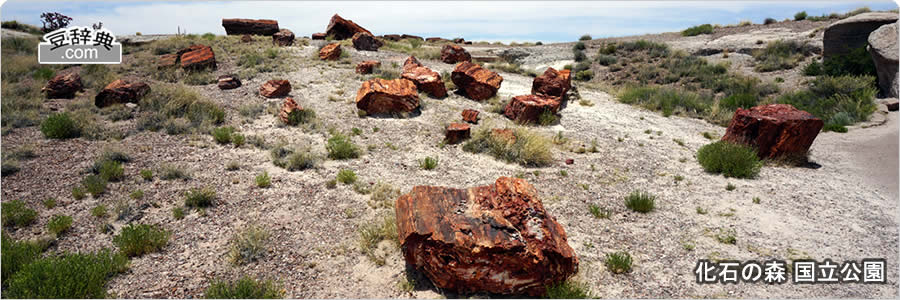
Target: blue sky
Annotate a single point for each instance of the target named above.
(491, 21)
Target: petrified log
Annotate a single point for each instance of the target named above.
(250, 26)
(63, 86)
(470, 115)
(342, 29)
(426, 80)
(476, 82)
(551, 83)
(378, 95)
(275, 88)
(456, 133)
(774, 130)
(452, 54)
(367, 66)
(330, 52)
(121, 92)
(528, 108)
(283, 38)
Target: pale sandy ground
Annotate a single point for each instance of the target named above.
(845, 210)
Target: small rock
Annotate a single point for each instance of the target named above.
(570, 161)
(275, 88)
(366, 67)
(120, 92)
(452, 54)
(283, 38)
(470, 115)
(246, 38)
(227, 82)
(318, 36)
(893, 106)
(63, 85)
(456, 133)
(330, 52)
(288, 107)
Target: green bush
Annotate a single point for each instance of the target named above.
(60, 126)
(247, 245)
(172, 172)
(618, 262)
(346, 176)
(770, 21)
(856, 62)
(800, 16)
(244, 288)
(654, 49)
(263, 180)
(99, 211)
(199, 197)
(71, 276)
(301, 116)
(579, 55)
(147, 175)
(586, 37)
(730, 159)
(605, 59)
(94, 184)
(293, 159)
(739, 101)
(698, 30)
(59, 224)
(78, 193)
(585, 75)
(528, 148)
(111, 170)
(428, 163)
(137, 240)
(779, 55)
(814, 69)
(222, 135)
(15, 255)
(640, 201)
(667, 100)
(16, 214)
(579, 46)
(839, 101)
(341, 147)
(568, 289)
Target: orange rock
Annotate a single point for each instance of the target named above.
(411, 62)
(425, 79)
(342, 29)
(456, 133)
(120, 92)
(366, 67)
(452, 54)
(496, 238)
(288, 107)
(470, 115)
(198, 57)
(551, 83)
(366, 42)
(167, 60)
(774, 130)
(250, 26)
(528, 108)
(377, 96)
(63, 85)
(318, 36)
(476, 82)
(330, 52)
(275, 88)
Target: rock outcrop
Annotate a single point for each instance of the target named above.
(63, 86)
(120, 92)
(197, 57)
(456, 133)
(365, 41)
(330, 52)
(425, 79)
(470, 115)
(495, 238)
(283, 38)
(842, 36)
(366, 67)
(528, 108)
(379, 96)
(452, 54)
(342, 29)
(287, 107)
(275, 88)
(774, 130)
(552, 83)
(227, 82)
(884, 51)
(250, 26)
(476, 82)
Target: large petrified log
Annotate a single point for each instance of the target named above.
(120, 92)
(774, 130)
(63, 86)
(476, 82)
(426, 80)
(250, 26)
(377, 96)
(452, 54)
(495, 238)
(551, 83)
(342, 29)
(197, 57)
(528, 108)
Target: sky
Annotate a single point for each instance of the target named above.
(505, 21)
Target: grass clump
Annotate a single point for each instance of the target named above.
(78, 193)
(730, 159)
(60, 126)
(99, 211)
(173, 102)
(137, 240)
(523, 146)
(301, 116)
(59, 224)
(599, 212)
(248, 245)
(147, 175)
(222, 135)
(111, 170)
(16, 214)
(618, 262)
(199, 197)
(668, 100)
(698, 30)
(94, 184)
(263, 180)
(178, 213)
(244, 288)
(428, 163)
(568, 289)
(371, 234)
(341, 147)
(346, 176)
(727, 236)
(779, 55)
(70, 276)
(173, 172)
(383, 195)
(640, 201)
(293, 159)
(49, 203)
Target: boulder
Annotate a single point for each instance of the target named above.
(409, 36)
(246, 38)
(884, 51)
(496, 238)
(227, 82)
(527, 109)
(121, 92)
(167, 60)
(288, 107)
(283, 38)
(275, 88)
(842, 36)
(330, 52)
(893, 105)
(476, 82)
(342, 29)
(552, 83)
(366, 42)
(366, 67)
(378, 96)
(63, 86)
(456, 133)
(470, 115)
(392, 37)
(774, 130)
(250, 26)
(452, 54)
(318, 36)
(426, 80)
(197, 57)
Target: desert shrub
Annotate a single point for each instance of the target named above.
(340, 147)
(178, 101)
(598, 212)
(770, 21)
(16, 214)
(293, 159)
(78, 193)
(111, 170)
(346, 176)
(372, 233)
(60, 126)
(586, 37)
(800, 16)
(247, 245)
(730, 159)
(178, 213)
(244, 288)
(841, 101)
(739, 101)
(568, 289)
(49, 202)
(71, 276)
(856, 62)
(137, 240)
(94, 184)
(428, 163)
(608, 49)
(605, 59)
(726, 236)
(585, 75)
(779, 55)
(579, 46)
(698, 30)
(618, 262)
(99, 211)
(222, 135)
(173, 172)
(528, 149)
(263, 180)
(59, 224)
(383, 195)
(9, 167)
(15, 255)
(814, 69)
(15, 25)
(199, 197)
(667, 100)
(640, 201)
(654, 49)
(302, 116)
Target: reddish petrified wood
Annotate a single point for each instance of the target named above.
(227, 82)
(197, 57)
(250, 26)
(167, 60)
(528, 108)
(288, 107)
(120, 92)
(330, 52)
(456, 133)
(275, 88)
(425, 79)
(283, 38)
(476, 82)
(63, 86)
(342, 29)
(411, 62)
(495, 238)
(365, 41)
(318, 36)
(452, 54)
(470, 115)
(774, 130)
(366, 67)
(551, 83)
(377, 96)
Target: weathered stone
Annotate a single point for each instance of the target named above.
(366, 67)
(392, 37)
(409, 36)
(551, 83)
(288, 107)
(250, 26)
(330, 52)
(318, 36)
(411, 62)
(496, 238)
(342, 29)
(197, 57)
(275, 88)
(893, 105)
(570, 161)
(470, 115)
(842, 36)
(884, 50)
(366, 42)
(227, 82)
(476, 82)
(120, 92)
(456, 133)
(283, 38)
(377, 96)
(452, 54)
(63, 86)
(425, 79)
(437, 40)
(246, 38)
(528, 108)
(167, 60)
(774, 130)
